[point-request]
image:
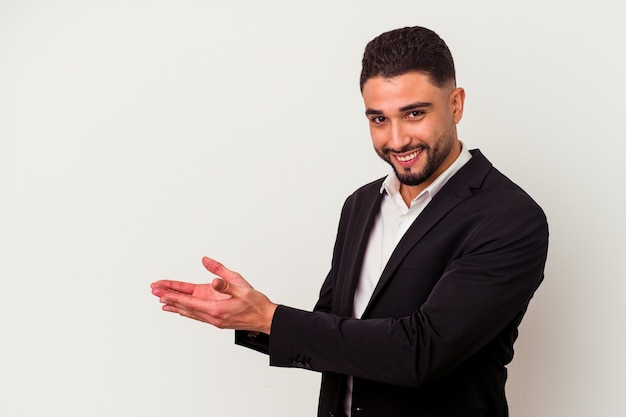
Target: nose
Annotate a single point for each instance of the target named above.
(399, 137)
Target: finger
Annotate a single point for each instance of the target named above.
(159, 291)
(190, 306)
(178, 306)
(178, 286)
(218, 269)
(182, 312)
(221, 271)
(176, 300)
(196, 315)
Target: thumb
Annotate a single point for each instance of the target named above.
(226, 274)
(218, 269)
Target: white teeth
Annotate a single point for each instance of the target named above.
(408, 157)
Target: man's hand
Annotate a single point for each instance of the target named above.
(228, 302)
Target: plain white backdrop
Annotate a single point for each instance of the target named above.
(138, 136)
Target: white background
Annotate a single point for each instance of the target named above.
(138, 136)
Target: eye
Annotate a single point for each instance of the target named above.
(415, 114)
(378, 119)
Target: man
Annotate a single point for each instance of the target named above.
(432, 270)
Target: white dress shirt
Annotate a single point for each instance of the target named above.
(392, 222)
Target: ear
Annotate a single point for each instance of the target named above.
(457, 101)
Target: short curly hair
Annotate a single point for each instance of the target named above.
(409, 49)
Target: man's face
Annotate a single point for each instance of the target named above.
(413, 126)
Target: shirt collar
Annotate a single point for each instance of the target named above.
(391, 184)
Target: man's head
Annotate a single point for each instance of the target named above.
(410, 49)
(413, 105)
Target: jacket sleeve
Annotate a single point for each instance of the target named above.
(480, 294)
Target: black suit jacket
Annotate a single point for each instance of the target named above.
(440, 326)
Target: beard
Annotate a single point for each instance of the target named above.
(435, 156)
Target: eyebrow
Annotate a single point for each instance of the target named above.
(412, 106)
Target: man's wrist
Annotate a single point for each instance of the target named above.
(267, 327)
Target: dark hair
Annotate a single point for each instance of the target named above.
(410, 49)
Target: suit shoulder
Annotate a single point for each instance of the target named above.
(504, 186)
(501, 199)
(367, 190)
(490, 183)
(364, 196)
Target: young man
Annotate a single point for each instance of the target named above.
(433, 266)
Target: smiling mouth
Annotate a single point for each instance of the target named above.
(408, 157)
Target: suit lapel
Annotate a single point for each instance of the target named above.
(367, 209)
(460, 187)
